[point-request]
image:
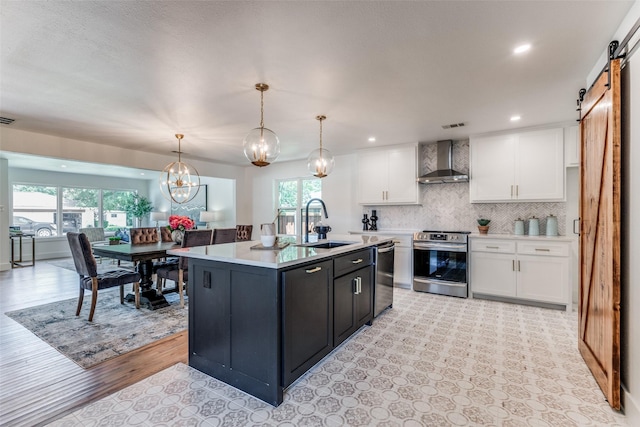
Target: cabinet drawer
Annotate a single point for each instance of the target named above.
(499, 246)
(543, 248)
(352, 261)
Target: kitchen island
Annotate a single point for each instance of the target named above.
(259, 319)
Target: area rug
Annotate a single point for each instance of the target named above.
(116, 328)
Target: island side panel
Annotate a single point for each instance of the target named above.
(235, 326)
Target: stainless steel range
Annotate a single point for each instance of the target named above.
(440, 262)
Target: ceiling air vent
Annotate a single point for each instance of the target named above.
(6, 121)
(453, 125)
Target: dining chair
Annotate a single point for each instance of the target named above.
(90, 279)
(243, 232)
(180, 273)
(165, 234)
(144, 235)
(224, 235)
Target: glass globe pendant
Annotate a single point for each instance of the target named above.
(261, 145)
(179, 182)
(320, 162)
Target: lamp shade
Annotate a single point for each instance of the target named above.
(158, 216)
(208, 216)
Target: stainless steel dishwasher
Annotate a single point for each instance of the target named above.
(383, 293)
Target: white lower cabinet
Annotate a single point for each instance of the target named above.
(521, 270)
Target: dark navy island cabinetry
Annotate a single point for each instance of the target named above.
(260, 328)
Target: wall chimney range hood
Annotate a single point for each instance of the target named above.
(444, 172)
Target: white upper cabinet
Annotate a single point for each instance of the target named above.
(571, 146)
(388, 176)
(522, 167)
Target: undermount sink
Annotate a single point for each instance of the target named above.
(326, 245)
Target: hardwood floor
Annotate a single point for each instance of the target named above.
(38, 384)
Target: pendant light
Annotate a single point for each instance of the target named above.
(320, 162)
(261, 145)
(179, 182)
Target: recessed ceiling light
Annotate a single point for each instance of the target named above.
(515, 118)
(372, 139)
(63, 166)
(141, 173)
(522, 48)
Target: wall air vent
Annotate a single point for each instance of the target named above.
(453, 125)
(6, 121)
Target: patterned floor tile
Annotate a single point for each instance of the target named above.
(429, 361)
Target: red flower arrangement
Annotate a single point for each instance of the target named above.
(182, 223)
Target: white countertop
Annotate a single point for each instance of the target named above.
(523, 237)
(241, 252)
(387, 232)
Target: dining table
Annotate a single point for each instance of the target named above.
(142, 256)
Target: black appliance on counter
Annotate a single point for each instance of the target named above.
(385, 253)
(440, 262)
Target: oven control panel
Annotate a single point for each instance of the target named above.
(429, 236)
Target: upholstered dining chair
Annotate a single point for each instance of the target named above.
(144, 235)
(165, 234)
(179, 273)
(243, 232)
(90, 279)
(224, 235)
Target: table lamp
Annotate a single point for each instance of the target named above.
(158, 216)
(210, 217)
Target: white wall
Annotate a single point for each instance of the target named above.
(630, 352)
(4, 214)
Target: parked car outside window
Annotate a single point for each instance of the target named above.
(40, 229)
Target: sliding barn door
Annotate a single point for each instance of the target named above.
(599, 305)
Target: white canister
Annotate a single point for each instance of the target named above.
(552, 226)
(518, 227)
(534, 226)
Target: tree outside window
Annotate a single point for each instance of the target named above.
(292, 196)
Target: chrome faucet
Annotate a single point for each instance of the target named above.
(306, 219)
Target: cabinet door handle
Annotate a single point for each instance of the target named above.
(358, 285)
(518, 265)
(516, 191)
(358, 261)
(543, 250)
(383, 195)
(576, 221)
(314, 270)
(513, 265)
(492, 247)
(355, 285)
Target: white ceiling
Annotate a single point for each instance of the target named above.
(133, 73)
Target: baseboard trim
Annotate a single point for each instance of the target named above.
(631, 408)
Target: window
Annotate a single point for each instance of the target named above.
(34, 209)
(293, 195)
(53, 211)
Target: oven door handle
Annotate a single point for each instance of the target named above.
(441, 247)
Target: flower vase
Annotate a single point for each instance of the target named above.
(177, 236)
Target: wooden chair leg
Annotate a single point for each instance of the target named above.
(80, 299)
(180, 286)
(94, 297)
(136, 287)
(121, 294)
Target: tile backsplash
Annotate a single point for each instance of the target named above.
(447, 206)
